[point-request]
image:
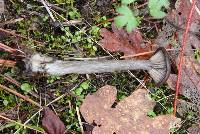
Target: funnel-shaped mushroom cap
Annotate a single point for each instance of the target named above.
(161, 67)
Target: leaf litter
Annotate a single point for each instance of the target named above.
(171, 37)
(128, 116)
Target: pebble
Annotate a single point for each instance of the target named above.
(1, 6)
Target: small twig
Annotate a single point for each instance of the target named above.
(141, 54)
(11, 21)
(71, 22)
(146, 78)
(7, 63)
(20, 36)
(136, 55)
(197, 9)
(55, 7)
(79, 120)
(7, 48)
(48, 10)
(105, 21)
(20, 124)
(142, 5)
(86, 59)
(145, 53)
(20, 95)
(10, 79)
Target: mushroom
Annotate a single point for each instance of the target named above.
(158, 66)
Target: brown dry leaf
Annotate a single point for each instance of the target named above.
(190, 83)
(174, 26)
(120, 40)
(183, 9)
(189, 87)
(51, 123)
(128, 117)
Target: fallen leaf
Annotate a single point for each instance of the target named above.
(128, 117)
(172, 35)
(183, 9)
(174, 26)
(51, 123)
(189, 87)
(121, 41)
(190, 83)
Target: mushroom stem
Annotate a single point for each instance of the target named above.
(88, 67)
(158, 66)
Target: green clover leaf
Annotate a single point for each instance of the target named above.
(127, 18)
(127, 1)
(155, 7)
(26, 87)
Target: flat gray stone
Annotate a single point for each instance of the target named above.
(1, 6)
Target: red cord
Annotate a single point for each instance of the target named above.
(182, 53)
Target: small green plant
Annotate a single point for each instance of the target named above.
(151, 113)
(84, 86)
(197, 55)
(128, 18)
(52, 79)
(74, 14)
(155, 7)
(81, 91)
(26, 87)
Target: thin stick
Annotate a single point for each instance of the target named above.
(20, 36)
(105, 21)
(142, 5)
(48, 10)
(142, 54)
(145, 53)
(79, 120)
(182, 54)
(20, 95)
(25, 126)
(11, 21)
(10, 79)
(7, 48)
(55, 7)
(7, 63)
(197, 9)
(136, 55)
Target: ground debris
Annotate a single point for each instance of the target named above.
(184, 107)
(129, 116)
